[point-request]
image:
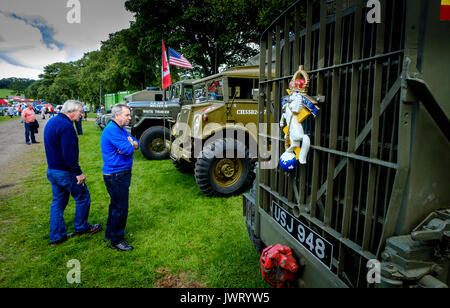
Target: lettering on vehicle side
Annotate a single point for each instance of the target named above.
(246, 112)
(156, 111)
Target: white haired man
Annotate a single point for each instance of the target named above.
(65, 175)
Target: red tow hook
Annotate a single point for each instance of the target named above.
(278, 266)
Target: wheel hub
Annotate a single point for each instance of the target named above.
(158, 146)
(227, 171)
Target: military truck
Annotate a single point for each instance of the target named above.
(102, 118)
(371, 207)
(216, 136)
(152, 117)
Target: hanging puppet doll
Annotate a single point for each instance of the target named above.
(297, 107)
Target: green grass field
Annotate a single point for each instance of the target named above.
(5, 92)
(176, 231)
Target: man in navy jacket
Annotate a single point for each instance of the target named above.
(65, 175)
(117, 152)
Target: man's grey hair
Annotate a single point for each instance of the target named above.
(118, 109)
(70, 106)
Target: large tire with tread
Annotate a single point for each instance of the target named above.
(152, 143)
(225, 176)
(184, 166)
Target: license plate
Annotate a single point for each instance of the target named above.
(319, 247)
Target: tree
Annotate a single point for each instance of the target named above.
(209, 33)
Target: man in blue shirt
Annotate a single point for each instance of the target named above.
(117, 152)
(65, 175)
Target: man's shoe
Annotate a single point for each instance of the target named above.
(121, 246)
(61, 240)
(28, 143)
(36, 142)
(90, 230)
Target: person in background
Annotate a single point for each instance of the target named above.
(11, 111)
(85, 110)
(28, 120)
(65, 175)
(43, 111)
(117, 148)
(78, 125)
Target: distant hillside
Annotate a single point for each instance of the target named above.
(5, 92)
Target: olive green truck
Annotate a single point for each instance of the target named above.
(371, 206)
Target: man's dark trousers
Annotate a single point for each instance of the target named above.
(79, 127)
(118, 185)
(29, 130)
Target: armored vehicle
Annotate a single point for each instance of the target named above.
(216, 136)
(371, 206)
(152, 117)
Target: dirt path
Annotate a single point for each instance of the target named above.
(14, 153)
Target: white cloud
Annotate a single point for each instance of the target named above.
(9, 70)
(36, 33)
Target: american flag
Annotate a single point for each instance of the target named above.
(178, 60)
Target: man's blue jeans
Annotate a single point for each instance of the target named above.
(29, 130)
(64, 184)
(118, 185)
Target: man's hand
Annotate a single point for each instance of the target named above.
(81, 179)
(133, 143)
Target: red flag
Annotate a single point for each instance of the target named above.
(166, 81)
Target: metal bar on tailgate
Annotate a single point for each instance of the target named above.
(350, 172)
(286, 177)
(276, 86)
(376, 102)
(268, 94)
(262, 105)
(334, 114)
(308, 65)
(297, 38)
(318, 121)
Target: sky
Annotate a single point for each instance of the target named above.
(36, 33)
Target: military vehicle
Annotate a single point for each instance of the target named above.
(152, 117)
(102, 118)
(111, 99)
(371, 206)
(216, 136)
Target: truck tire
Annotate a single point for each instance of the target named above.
(224, 177)
(152, 143)
(184, 166)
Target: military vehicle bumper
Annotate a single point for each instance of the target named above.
(177, 153)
